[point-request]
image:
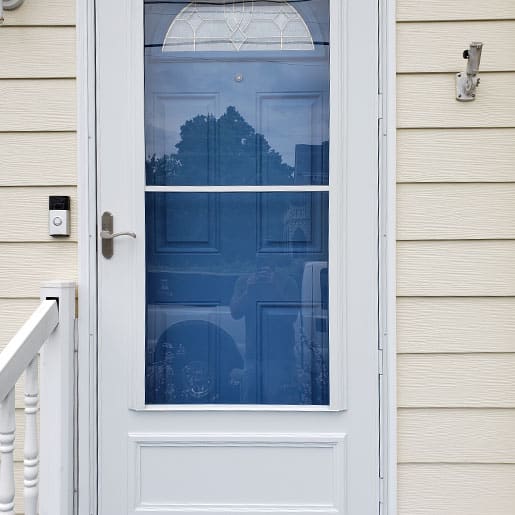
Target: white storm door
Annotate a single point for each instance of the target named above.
(237, 332)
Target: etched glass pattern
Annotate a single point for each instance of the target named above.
(238, 25)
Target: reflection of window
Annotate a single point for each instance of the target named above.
(238, 25)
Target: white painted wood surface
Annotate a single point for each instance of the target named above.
(37, 52)
(37, 105)
(456, 325)
(57, 373)
(20, 351)
(455, 211)
(455, 155)
(7, 436)
(418, 10)
(57, 383)
(31, 451)
(13, 314)
(25, 213)
(29, 262)
(429, 100)
(438, 46)
(120, 65)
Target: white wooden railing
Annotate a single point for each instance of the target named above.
(52, 322)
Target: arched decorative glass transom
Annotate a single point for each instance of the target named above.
(238, 25)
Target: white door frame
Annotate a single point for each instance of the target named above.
(87, 348)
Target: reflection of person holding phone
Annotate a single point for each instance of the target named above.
(268, 299)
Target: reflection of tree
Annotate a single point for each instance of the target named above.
(226, 150)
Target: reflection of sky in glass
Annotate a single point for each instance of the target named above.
(282, 95)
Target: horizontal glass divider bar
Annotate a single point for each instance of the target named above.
(234, 189)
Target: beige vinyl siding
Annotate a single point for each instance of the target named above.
(48, 13)
(448, 10)
(456, 155)
(427, 100)
(38, 52)
(471, 489)
(446, 40)
(25, 216)
(456, 211)
(37, 159)
(448, 325)
(456, 261)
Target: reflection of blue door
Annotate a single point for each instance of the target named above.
(237, 203)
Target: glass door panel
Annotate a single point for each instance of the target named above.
(237, 202)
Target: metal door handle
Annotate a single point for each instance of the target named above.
(107, 235)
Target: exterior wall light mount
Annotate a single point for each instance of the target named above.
(468, 81)
(8, 5)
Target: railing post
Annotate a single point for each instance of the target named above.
(31, 447)
(57, 384)
(7, 430)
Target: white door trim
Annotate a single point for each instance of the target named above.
(87, 458)
(387, 253)
(87, 366)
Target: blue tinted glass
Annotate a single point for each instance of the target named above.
(237, 92)
(237, 298)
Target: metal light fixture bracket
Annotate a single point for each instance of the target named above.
(468, 81)
(8, 5)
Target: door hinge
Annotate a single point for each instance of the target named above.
(380, 364)
(379, 106)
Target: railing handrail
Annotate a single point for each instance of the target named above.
(48, 469)
(25, 344)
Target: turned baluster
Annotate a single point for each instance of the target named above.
(7, 428)
(31, 454)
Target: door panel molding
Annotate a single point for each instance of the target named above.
(323, 467)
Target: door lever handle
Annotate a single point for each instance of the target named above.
(107, 235)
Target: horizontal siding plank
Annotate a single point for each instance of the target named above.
(42, 12)
(37, 105)
(419, 10)
(456, 435)
(19, 506)
(446, 325)
(455, 211)
(39, 158)
(25, 213)
(456, 380)
(24, 266)
(438, 47)
(28, 52)
(427, 100)
(455, 155)
(13, 313)
(444, 489)
(20, 434)
(456, 268)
